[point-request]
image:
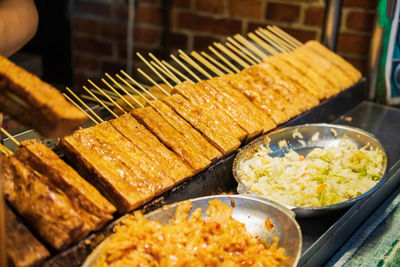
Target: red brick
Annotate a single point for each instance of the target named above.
(179, 41)
(181, 3)
(143, 49)
(201, 43)
(283, 12)
(112, 67)
(314, 16)
(143, 14)
(91, 46)
(88, 26)
(350, 43)
(360, 21)
(86, 63)
(146, 35)
(361, 3)
(121, 12)
(301, 35)
(212, 6)
(252, 26)
(81, 78)
(148, 14)
(190, 21)
(247, 9)
(153, 2)
(113, 30)
(90, 8)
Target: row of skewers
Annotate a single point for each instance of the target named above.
(168, 133)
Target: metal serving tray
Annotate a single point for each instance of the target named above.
(218, 179)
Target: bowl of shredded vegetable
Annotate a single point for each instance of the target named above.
(313, 168)
(227, 230)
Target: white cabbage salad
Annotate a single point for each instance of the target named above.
(324, 177)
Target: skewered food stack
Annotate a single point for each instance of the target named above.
(23, 249)
(35, 103)
(149, 149)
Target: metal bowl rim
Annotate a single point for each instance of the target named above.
(93, 255)
(322, 208)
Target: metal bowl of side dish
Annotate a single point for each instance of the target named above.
(312, 169)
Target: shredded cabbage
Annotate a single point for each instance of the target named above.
(325, 176)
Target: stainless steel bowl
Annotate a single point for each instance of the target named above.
(252, 211)
(329, 134)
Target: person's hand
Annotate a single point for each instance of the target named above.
(18, 24)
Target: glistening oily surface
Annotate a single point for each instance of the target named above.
(325, 176)
(194, 241)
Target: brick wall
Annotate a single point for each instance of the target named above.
(99, 27)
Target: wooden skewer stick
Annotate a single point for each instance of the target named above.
(224, 59)
(287, 42)
(206, 63)
(245, 50)
(237, 51)
(191, 62)
(263, 44)
(183, 76)
(10, 136)
(266, 38)
(185, 68)
(171, 75)
(140, 86)
(84, 104)
(277, 47)
(5, 150)
(94, 91)
(129, 85)
(79, 107)
(115, 91)
(166, 73)
(94, 100)
(216, 62)
(153, 82)
(154, 70)
(249, 45)
(109, 98)
(268, 35)
(284, 35)
(275, 40)
(124, 90)
(231, 55)
(100, 102)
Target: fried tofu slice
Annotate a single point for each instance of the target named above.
(187, 130)
(152, 147)
(260, 99)
(295, 76)
(339, 62)
(326, 88)
(22, 248)
(224, 87)
(115, 166)
(204, 122)
(36, 104)
(171, 138)
(195, 94)
(298, 95)
(48, 210)
(95, 210)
